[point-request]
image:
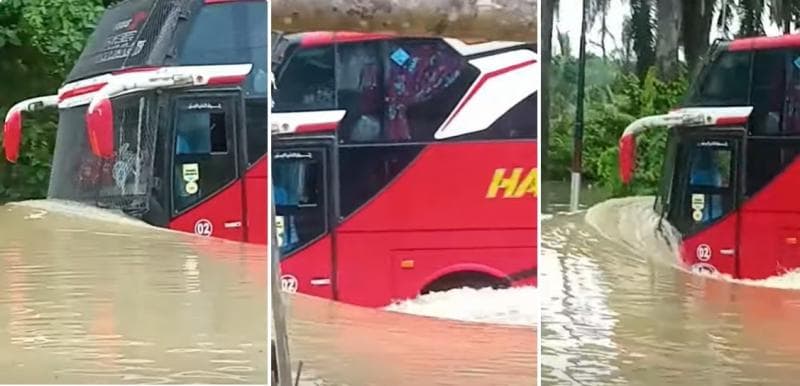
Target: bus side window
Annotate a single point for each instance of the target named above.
(308, 82)
(425, 80)
(792, 124)
(359, 90)
(767, 95)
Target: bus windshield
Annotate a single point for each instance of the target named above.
(122, 182)
(125, 37)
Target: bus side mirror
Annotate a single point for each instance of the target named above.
(12, 135)
(627, 158)
(100, 128)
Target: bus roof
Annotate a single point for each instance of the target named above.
(765, 43)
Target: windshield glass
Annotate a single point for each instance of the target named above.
(231, 33)
(279, 46)
(125, 37)
(714, 86)
(122, 182)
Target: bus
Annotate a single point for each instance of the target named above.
(164, 118)
(730, 165)
(403, 165)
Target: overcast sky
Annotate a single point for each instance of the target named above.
(568, 19)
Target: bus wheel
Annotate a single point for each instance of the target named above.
(465, 279)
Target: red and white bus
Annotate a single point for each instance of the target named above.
(403, 165)
(164, 117)
(731, 168)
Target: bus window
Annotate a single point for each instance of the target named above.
(767, 95)
(231, 33)
(205, 156)
(425, 79)
(365, 170)
(307, 82)
(298, 179)
(725, 83)
(359, 89)
(792, 119)
(256, 110)
(710, 181)
(766, 158)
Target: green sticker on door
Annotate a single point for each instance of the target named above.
(191, 175)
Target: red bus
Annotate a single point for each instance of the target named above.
(730, 169)
(164, 118)
(403, 165)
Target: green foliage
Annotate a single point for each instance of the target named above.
(614, 99)
(39, 42)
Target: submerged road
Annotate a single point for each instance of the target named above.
(89, 297)
(92, 297)
(618, 310)
(349, 345)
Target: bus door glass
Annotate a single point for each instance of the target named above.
(206, 189)
(300, 181)
(707, 178)
(298, 178)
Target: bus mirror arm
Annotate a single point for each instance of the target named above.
(12, 127)
(100, 114)
(627, 143)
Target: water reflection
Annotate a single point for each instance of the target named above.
(107, 300)
(609, 277)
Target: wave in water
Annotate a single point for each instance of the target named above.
(517, 306)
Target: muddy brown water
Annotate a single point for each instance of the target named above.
(100, 299)
(618, 310)
(349, 345)
(91, 297)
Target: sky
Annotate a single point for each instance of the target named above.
(568, 19)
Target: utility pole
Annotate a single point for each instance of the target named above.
(577, 141)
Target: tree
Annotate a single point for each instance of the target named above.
(698, 16)
(642, 35)
(668, 15)
(599, 9)
(39, 41)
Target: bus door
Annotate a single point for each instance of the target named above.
(207, 190)
(302, 177)
(705, 197)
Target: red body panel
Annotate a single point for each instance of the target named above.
(439, 216)
(769, 227)
(705, 249)
(223, 208)
(312, 263)
(255, 201)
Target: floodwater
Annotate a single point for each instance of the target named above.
(91, 297)
(350, 345)
(616, 309)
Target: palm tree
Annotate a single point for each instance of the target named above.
(668, 26)
(599, 9)
(642, 25)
